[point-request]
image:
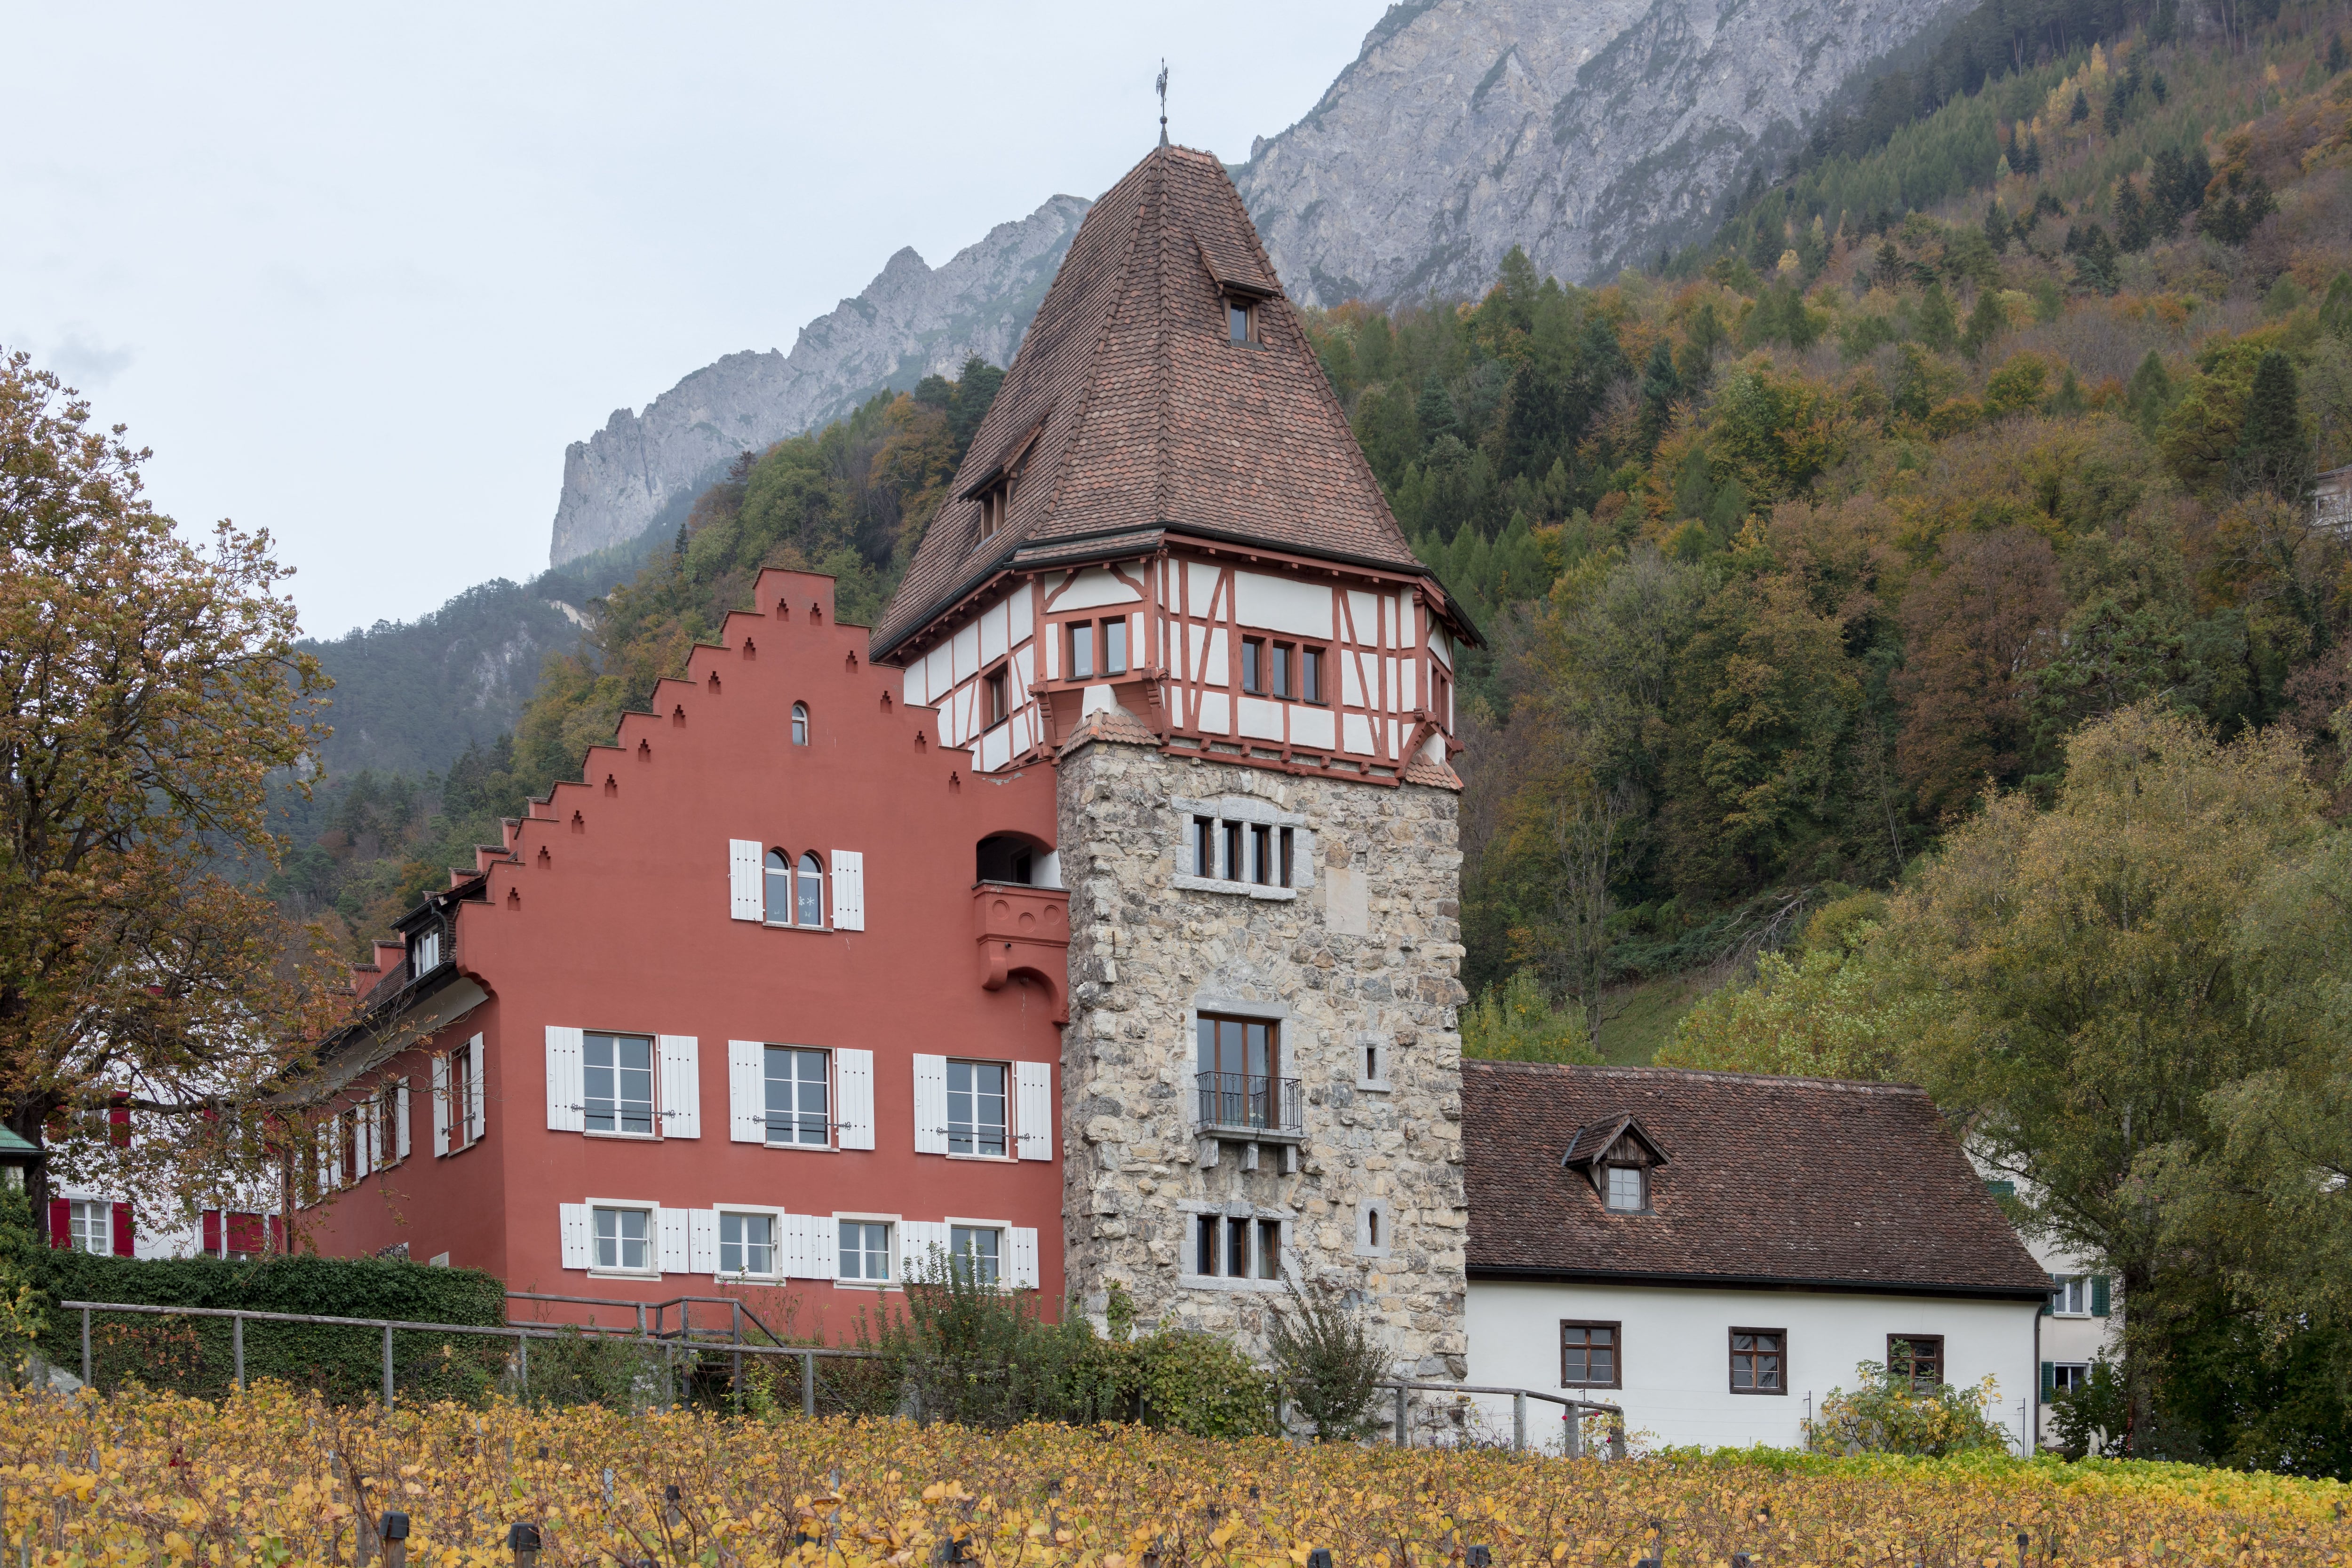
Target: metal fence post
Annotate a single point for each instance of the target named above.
(1404, 1436)
(808, 1383)
(85, 1347)
(1518, 1423)
(237, 1349)
(387, 1370)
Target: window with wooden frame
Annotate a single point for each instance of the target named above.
(1310, 675)
(1241, 320)
(1095, 648)
(618, 1078)
(1228, 1248)
(1589, 1354)
(978, 1099)
(1759, 1364)
(465, 1105)
(1916, 1356)
(995, 503)
(1628, 1189)
(798, 1085)
(993, 695)
(1441, 698)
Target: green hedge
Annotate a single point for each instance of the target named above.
(195, 1356)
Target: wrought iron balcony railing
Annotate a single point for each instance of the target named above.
(1249, 1101)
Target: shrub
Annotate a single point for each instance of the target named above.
(1328, 1365)
(1891, 1414)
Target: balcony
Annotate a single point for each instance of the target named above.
(1023, 933)
(1250, 1106)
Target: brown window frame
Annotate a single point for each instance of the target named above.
(1247, 309)
(1911, 1368)
(1317, 660)
(1754, 1356)
(1253, 670)
(1098, 639)
(993, 686)
(1616, 1352)
(996, 502)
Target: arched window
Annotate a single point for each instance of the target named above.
(800, 724)
(811, 891)
(776, 885)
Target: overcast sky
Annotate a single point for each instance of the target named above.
(358, 274)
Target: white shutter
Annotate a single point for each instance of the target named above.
(853, 1084)
(326, 1149)
(791, 1246)
(371, 1133)
(1033, 1109)
(747, 1092)
(818, 1235)
(576, 1254)
(1021, 1242)
(676, 1240)
(919, 1241)
(441, 1105)
(477, 1078)
(566, 1086)
(930, 1105)
(848, 890)
(743, 880)
(703, 1227)
(400, 1117)
(681, 1087)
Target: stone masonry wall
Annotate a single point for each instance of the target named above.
(1366, 957)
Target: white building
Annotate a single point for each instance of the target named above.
(2082, 1321)
(1715, 1252)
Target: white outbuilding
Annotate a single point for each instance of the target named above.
(1717, 1251)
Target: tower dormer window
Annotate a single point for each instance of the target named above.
(995, 503)
(1240, 321)
(1628, 1189)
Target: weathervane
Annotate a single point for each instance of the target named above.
(1163, 86)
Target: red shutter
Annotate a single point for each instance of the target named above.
(244, 1234)
(212, 1232)
(277, 1233)
(123, 1230)
(60, 1222)
(118, 1127)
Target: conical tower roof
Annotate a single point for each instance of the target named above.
(1130, 414)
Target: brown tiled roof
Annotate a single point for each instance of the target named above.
(1135, 416)
(1420, 769)
(1113, 723)
(1768, 1181)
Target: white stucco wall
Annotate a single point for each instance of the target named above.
(1676, 1351)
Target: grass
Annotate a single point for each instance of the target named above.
(1643, 1015)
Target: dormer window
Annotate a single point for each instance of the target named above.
(995, 503)
(1241, 320)
(1616, 1158)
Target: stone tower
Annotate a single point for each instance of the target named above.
(1165, 571)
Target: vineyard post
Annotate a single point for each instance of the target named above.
(387, 1370)
(1575, 1443)
(394, 1533)
(85, 1347)
(237, 1349)
(1403, 1437)
(1519, 1423)
(522, 1363)
(808, 1383)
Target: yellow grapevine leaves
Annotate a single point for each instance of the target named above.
(276, 1478)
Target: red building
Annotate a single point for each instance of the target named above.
(735, 1005)
(787, 987)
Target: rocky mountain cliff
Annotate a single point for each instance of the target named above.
(911, 320)
(1594, 133)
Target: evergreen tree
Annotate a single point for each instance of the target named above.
(2150, 395)
(1986, 322)
(2336, 59)
(2095, 258)
(2336, 310)
(2133, 229)
(2176, 188)
(2082, 110)
(1764, 249)
(2031, 162)
(1996, 228)
(2156, 87)
(2112, 120)
(1939, 326)
(2068, 400)
(1660, 386)
(1892, 269)
(2271, 452)
(2165, 25)
(1435, 411)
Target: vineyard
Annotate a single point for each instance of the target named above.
(274, 1478)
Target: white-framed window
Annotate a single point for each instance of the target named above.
(976, 1253)
(798, 1098)
(2071, 1296)
(90, 1226)
(2069, 1376)
(1628, 1190)
(617, 1081)
(808, 892)
(976, 1108)
(862, 1252)
(747, 1243)
(425, 953)
(459, 1105)
(800, 724)
(623, 1240)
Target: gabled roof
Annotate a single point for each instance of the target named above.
(1803, 1182)
(1130, 414)
(1590, 1145)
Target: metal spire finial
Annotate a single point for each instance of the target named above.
(1162, 85)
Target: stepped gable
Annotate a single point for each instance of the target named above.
(1128, 413)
